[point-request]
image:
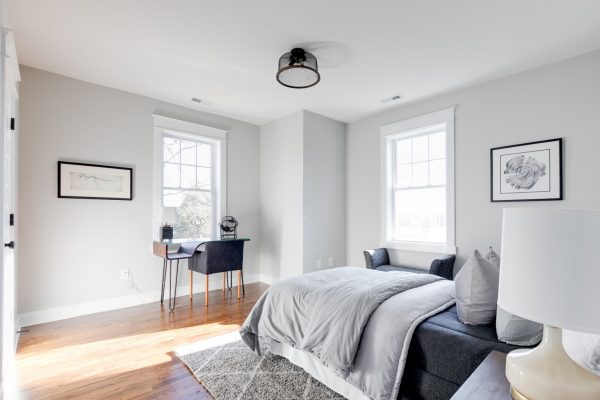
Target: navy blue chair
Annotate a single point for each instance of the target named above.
(219, 256)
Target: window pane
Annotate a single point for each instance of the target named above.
(437, 172)
(188, 152)
(188, 176)
(171, 150)
(437, 145)
(204, 155)
(172, 198)
(404, 151)
(171, 175)
(193, 213)
(420, 175)
(420, 148)
(420, 215)
(403, 175)
(204, 178)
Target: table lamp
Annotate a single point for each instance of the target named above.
(169, 217)
(550, 273)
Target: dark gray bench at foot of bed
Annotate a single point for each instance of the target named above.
(443, 353)
(379, 259)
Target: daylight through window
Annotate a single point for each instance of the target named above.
(189, 194)
(419, 205)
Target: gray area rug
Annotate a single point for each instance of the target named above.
(233, 372)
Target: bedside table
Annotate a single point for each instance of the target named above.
(488, 382)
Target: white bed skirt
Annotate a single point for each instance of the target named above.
(317, 370)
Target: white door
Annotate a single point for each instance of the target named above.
(7, 206)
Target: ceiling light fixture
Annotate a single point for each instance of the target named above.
(298, 69)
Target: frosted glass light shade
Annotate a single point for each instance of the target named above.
(298, 69)
(550, 267)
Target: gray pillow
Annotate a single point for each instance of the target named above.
(584, 349)
(477, 289)
(516, 330)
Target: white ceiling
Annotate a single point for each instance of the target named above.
(226, 51)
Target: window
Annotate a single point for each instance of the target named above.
(418, 184)
(190, 171)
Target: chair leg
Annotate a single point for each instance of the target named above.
(224, 275)
(191, 284)
(239, 284)
(206, 291)
(164, 278)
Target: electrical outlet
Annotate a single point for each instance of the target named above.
(319, 264)
(331, 261)
(124, 274)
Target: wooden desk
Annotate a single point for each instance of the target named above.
(183, 249)
(488, 382)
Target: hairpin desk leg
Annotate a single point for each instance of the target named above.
(191, 284)
(206, 291)
(164, 278)
(174, 298)
(243, 286)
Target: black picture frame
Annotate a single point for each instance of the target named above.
(127, 173)
(555, 171)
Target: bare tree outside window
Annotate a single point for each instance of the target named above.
(188, 186)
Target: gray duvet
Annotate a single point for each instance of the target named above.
(325, 313)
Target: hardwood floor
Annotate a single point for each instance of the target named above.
(127, 353)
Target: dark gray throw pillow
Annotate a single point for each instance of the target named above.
(477, 289)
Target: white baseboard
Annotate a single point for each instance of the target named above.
(268, 279)
(17, 331)
(59, 313)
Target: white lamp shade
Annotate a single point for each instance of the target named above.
(550, 267)
(169, 215)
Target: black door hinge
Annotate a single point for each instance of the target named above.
(12, 124)
(11, 219)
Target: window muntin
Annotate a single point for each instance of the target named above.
(189, 195)
(418, 190)
(418, 183)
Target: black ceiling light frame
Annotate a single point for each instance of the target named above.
(298, 69)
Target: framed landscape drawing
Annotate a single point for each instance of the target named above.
(527, 171)
(92, 181)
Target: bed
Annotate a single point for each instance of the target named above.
(394, 338)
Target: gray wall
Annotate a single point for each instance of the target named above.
(72, 250)
(281, 197)
(324, 191)
(559, 100)
(303, 194)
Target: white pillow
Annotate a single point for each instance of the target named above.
(477, 289)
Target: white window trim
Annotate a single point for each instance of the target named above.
(197, 131)
(403, 129)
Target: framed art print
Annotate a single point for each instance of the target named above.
(93, 181)
(527, 171)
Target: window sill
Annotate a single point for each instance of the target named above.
(420, 247)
